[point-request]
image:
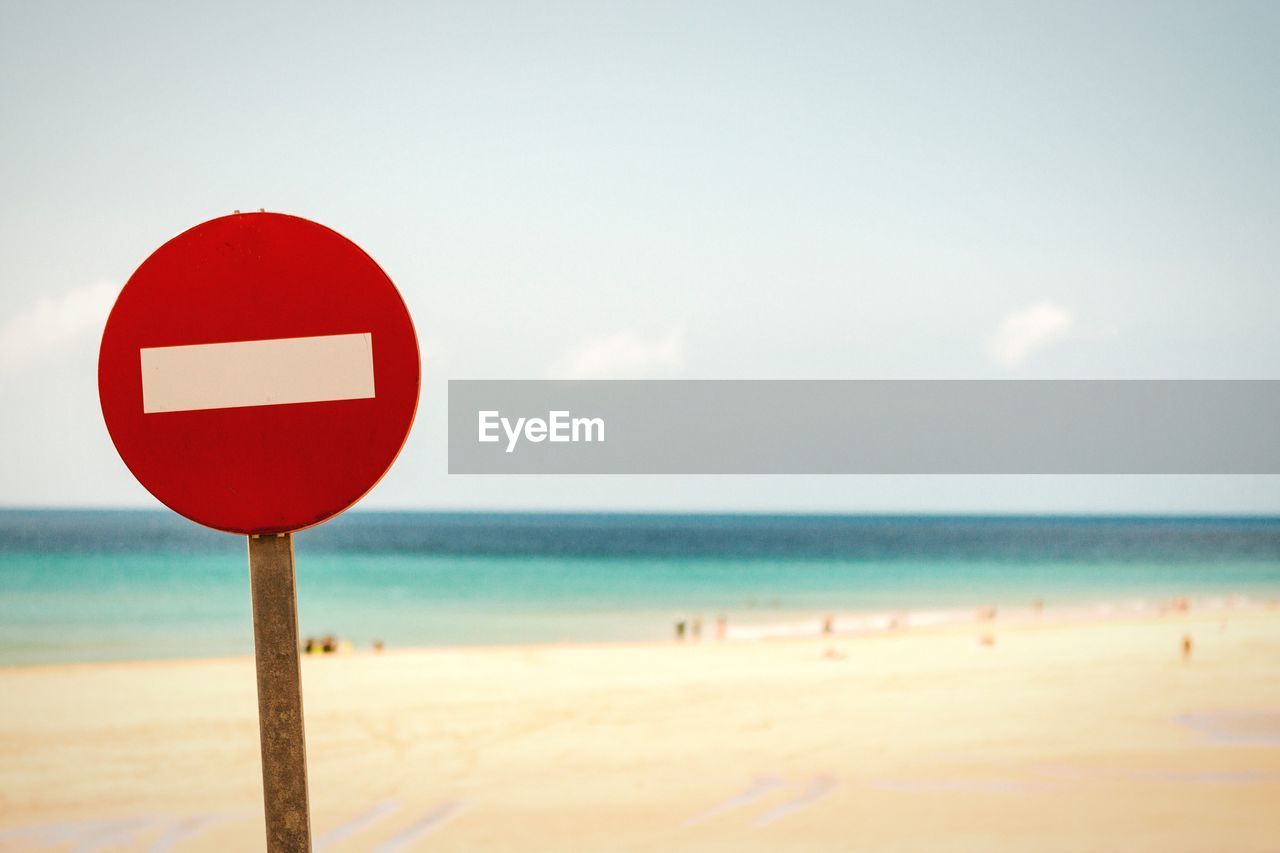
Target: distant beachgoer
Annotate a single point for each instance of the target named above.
(695, 628)
(828, 624)
(1186, 648)
(377, 645)
(722, 627)
(311, 647)
(1038, 606)
(680, 631)
(987, 639)
(329, 644)
(986, 614)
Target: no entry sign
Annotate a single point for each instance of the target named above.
(259, 373)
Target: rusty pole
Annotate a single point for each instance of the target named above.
(275, 639)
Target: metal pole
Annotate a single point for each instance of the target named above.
(275, 639)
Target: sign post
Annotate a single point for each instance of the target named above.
(275, 641)
(259, 374)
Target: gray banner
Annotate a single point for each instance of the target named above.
(864, 427)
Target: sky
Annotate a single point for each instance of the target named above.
(667, 190)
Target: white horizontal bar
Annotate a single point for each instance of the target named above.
(257, 373)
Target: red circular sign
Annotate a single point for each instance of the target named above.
(259, 373)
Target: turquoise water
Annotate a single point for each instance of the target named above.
(103, 586)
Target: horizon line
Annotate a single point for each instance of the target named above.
(715, 513)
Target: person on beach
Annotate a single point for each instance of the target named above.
(1186, 648)
(695, 628)
(722, 627)
(680, 631)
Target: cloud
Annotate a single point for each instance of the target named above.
(623, 355)
(54, 324)
(1025, 332)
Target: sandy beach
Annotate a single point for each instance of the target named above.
(1059, 735)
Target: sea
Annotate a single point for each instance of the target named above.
(90, 585)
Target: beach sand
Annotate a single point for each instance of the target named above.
(1062, 735)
